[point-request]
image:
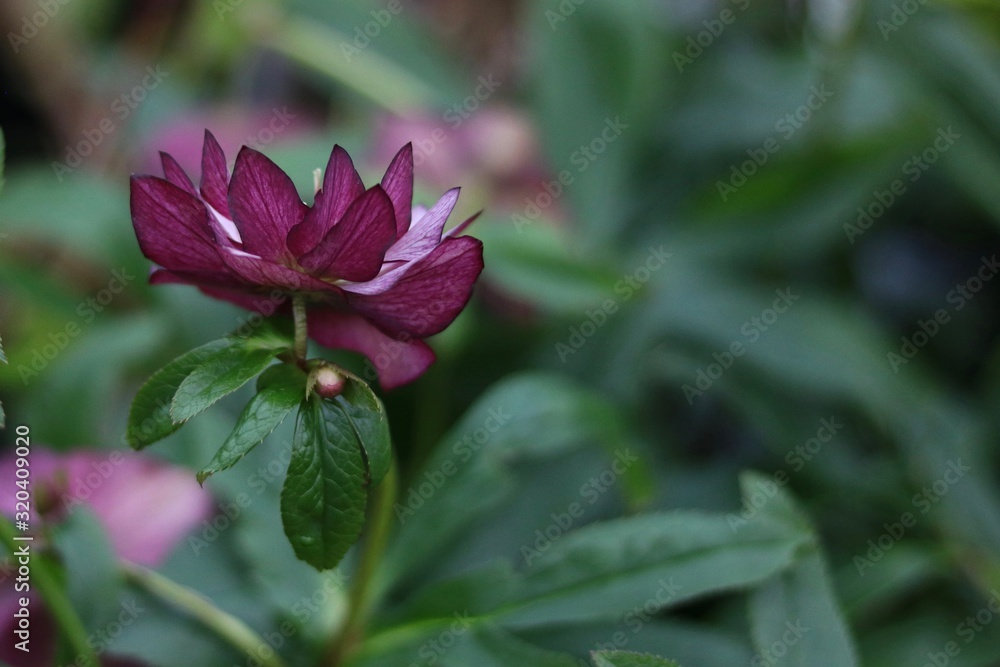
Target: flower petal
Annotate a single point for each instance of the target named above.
(355, 248)
(422, 297)
(264, 273)
(265, 304)
(146, 507)
(425, 233)
(226, 288)
(214, 175)
(398, 184)
(264, 205)
(341, 186)
(172, 226)
(397, 361)
(223, 279)
(175, 174)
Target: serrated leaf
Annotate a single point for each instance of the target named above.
(367, 416)
(324, 496)
(219, 375)
(796, 611)
(149, 418)
(280, 389)
(629, 659)
(272, 334)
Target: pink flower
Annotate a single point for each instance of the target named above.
(378, 273)
(144, 506)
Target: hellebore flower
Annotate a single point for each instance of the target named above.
(145, 507)
(379, 275)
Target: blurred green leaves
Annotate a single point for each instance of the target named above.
(516, 461)
(3, 357)
(628, 659)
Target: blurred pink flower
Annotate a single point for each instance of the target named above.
(496, 148)
(144, 506)
(234, 127)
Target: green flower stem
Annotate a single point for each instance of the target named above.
(301, 330)
(231, 629)
(360, 599)
(56, 602)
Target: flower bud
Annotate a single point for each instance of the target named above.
(327, 382)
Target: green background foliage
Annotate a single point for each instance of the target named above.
(730, 236)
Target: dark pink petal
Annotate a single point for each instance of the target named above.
(423, 297)
(264, 273)
(425, 233)
(175, 174)
(220, 279)
(264, 204)
(214, 175)
(355, 248)
(172, 226)
(397, 360)
(398, 184)
(341, 186)
(266, 304)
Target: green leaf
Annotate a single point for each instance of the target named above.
(219, 375)
(527, 417)
(273, 334)
(280, 388)
(85, 212)
(796, 612)
(324, 496)
(149, 418)
(3, 357)
(367, 417)
(93, 580)
(629, 659)
(605, 569)
(468, 642)
(3, 156)
(537, 263)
